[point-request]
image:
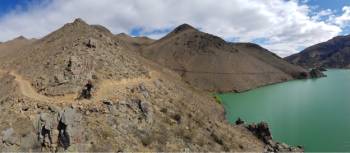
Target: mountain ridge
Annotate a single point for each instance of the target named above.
(334, 53)
(225, 66)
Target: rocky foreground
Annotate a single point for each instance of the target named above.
(81, 89)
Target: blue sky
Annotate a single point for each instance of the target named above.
(336, 5)
(282, 26)
(9, 5)
(329, 4)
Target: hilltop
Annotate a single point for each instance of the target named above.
(209, 63)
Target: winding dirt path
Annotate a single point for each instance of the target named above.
(105, 88)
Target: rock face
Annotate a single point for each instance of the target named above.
(334, 53)
(135, 105)
(212, 64)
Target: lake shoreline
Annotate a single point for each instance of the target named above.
(300, 107)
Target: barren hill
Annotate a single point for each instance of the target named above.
(210, 63)
(136, 105)
(334, 53)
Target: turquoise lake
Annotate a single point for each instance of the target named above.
(314, 113)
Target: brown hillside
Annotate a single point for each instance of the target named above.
(210, 63)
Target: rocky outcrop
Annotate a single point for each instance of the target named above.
(317, 73)
(262, 131)
(58, 130)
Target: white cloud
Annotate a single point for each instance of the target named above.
(286, 25)
(344, 19)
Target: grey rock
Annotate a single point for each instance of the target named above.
(269, 148)
(145, 107)
(45, 121)
(142, 87)
(67, 116)
(272, 143)
(158, 83)
(8, 136)
(145, 94)
(91, 43)
(54, 109)
(285, 146)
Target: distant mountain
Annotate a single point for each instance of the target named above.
(12, 47)
(208, 62)
(334, 53)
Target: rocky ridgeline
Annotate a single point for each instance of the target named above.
(262, 131)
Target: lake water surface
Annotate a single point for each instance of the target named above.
(313, 113)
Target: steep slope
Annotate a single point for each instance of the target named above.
(136, 105)
(334, 53)
(208, 62)
(270, 58)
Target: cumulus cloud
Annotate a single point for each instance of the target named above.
(344, 19)
(287, 26)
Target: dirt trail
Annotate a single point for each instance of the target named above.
(29, 91)
(105, 88)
